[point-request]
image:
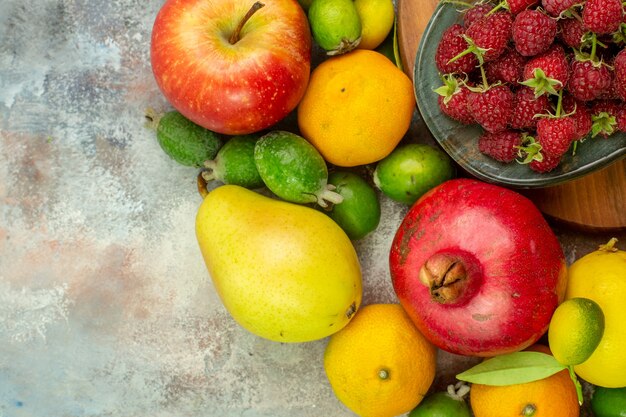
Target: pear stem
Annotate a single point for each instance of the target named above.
(235, 36)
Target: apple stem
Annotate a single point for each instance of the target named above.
(234, 37)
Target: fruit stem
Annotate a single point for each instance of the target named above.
(209, 174)
(328, 195)
(594, 43)
(152, 118)
(579, 388)
(235, 36)
(609, 246)
(529, 410)
(559, 104)
(383, 373)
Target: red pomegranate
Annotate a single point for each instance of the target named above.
(477, 268)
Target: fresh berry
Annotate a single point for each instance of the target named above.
(533, 32)
(556, 7)
(578, 111)
(602, 16)
(492, 109)
(526, 107)
(475, 13)
(507, 69)
(492, 34)
(604, 115)
(547, 164)
(571, 32)
(588, 80)
(450, 45)
(619, 71)
(452, 100)
(555, 134)
(547, 72)
(621, 119)
(517, 6)
(501, 146)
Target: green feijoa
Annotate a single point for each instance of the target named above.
(293, 169)
(359, 212)
(609, 402)
(411, 170)
(234, 163)
(441, 404)
(335, 25)
(184, 141)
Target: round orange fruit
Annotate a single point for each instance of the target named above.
(380, 365)
(357, 108)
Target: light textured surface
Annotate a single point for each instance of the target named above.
(106, 308)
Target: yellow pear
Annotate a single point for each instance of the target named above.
(284, 271)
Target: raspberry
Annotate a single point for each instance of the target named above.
(571, 32)
(492, 109)
(526, 107)
(555, 134)
(556, 7)
(454, 105)
(533, 32)
(492, 33)
(602, 16)
(588, 80)
(500, 146)
(507, 69)
(450, 45)
(548, 163)
(476, 13)
(604, 114)
(581, 115)
(619, 65)
(553, 74)
(517, 6)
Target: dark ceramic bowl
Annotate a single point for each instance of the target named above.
(461, 141)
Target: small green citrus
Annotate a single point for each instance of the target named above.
(575, 330)
(335, 25)
(609, 402)
(441, 404)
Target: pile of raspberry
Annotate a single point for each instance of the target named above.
(539, 76)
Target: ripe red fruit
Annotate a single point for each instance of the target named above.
(517, 6)
(450, 45)
(500, 146)
(604, 116)
(580, 114)
(492, 109)
(571, 32)
(455, 104)
(493, 33)
(602, 16)
(547, 164)
(533, 32)
(554, 66)
(477, 268)
(526, 107)
(555, 134)
(619, 71)
(507, 69)
(556, 7)
(588, 80)
(478, 11)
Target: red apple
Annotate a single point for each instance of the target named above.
(477, 268)
(232, 66)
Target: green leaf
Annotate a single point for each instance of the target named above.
(512, 368)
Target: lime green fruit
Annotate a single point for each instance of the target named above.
(441, 404)
(411, 170)
(609, 402)
(377, 18)
(182, 140)
(234, 163)
(575, 331)
(359, 212)
(335, 25)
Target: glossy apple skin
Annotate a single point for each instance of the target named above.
(516, 268)
(231, 89)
